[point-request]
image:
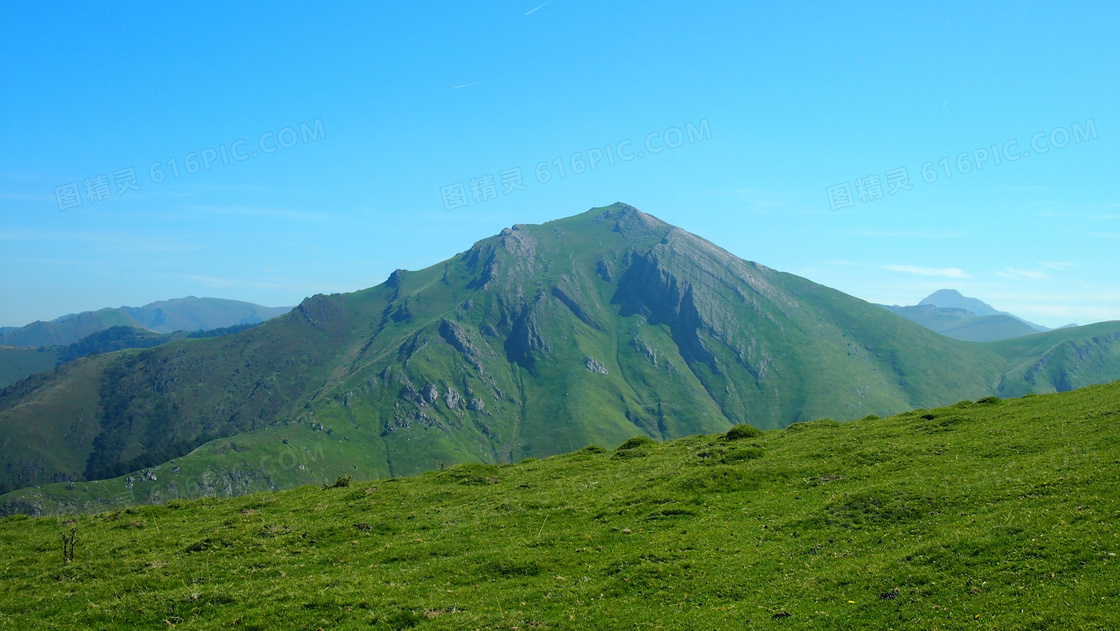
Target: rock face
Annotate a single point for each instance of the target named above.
(537, 341)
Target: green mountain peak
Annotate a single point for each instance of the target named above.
(539, 340)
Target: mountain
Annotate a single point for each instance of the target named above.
(537, 341)
(67, 329)
(986, 515)
(200, 314)
(960, 324)
(952, 299)
(168, 316)
(16, 363)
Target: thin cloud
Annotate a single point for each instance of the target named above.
(108, 238)
(120, 241)
(1011, 272)
(468, 85)
(22, 177)
(943, 272)
(540, 7)
(27, 197)
(216, 282)
(254, 211)
(842, 263)
(1057, 265)
(908, 234)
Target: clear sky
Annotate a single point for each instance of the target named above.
(359, 122)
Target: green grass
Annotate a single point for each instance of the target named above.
(986, 515)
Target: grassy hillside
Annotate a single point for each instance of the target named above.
(17, 364)
(986, 515)
(533, 342)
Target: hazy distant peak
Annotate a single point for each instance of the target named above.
(953, 299)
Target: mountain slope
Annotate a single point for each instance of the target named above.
(537, 341)
(986, 515)
(16, 363)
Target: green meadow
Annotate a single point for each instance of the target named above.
(995, 514)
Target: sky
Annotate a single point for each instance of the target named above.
(268, 152)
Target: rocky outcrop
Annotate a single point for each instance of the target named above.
(595, 365)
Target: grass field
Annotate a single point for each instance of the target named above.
(986, 515)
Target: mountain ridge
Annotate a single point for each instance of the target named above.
(653, 329)
(166, 316)
(951, 298)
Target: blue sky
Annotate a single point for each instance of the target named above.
(412, 98)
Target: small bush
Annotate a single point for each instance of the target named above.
(742, 431)
(636, 441)
(471, 474)
(989, 401)
(592, 449)
(343, 481)
(719, 479)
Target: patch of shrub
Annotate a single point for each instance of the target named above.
(400, 619)
(727, 454)
(876, 509)
(990, 401)
(817, 424)
(209, 543)
(471, 474)
(719, 479)
(742, 431)
(591, 449)
(739, 455)
(342, 482)
(667, 513)
(510, 569)
(636, 441)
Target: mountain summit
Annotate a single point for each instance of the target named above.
(536, 341)
(952, 299)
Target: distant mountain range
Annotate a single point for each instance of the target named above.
(167, 316)
(536, 341)
(16, 364)
(970, 319)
